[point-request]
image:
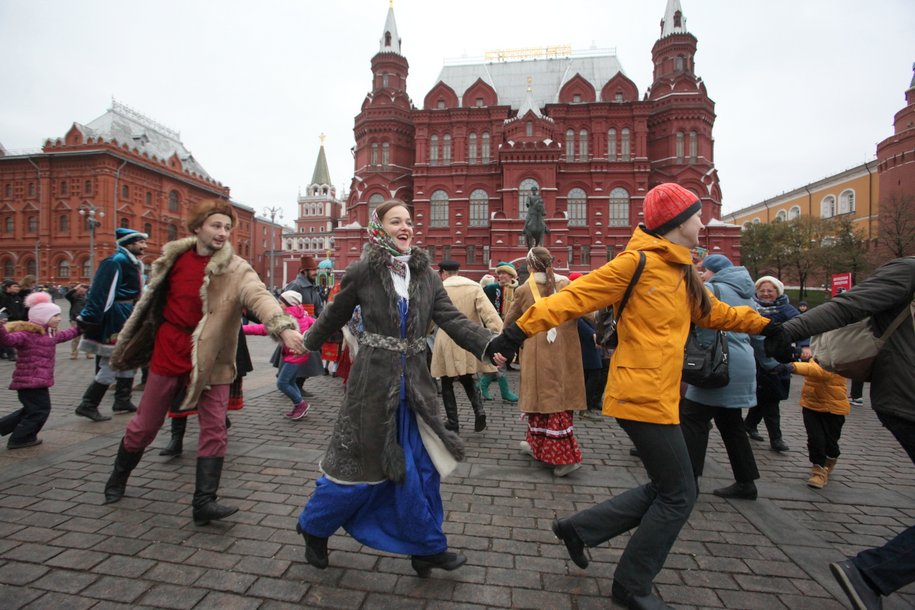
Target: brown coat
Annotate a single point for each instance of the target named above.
(552, 377)
(449, 360)
(229, 283)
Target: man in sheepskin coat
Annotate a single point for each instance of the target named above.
(186, 329)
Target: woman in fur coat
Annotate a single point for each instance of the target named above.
(389, 448)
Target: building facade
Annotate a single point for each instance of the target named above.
(572, 126)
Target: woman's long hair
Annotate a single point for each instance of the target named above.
(540, 259)
(695, 291)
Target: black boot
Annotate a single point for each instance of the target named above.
(451, 410)
(445, 560)
(124, 464)
(88, 407)
(176, 444)
(315, 549)
(476, 401)
(206, 509)
(123, 386)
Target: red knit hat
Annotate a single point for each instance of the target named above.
(669, 205)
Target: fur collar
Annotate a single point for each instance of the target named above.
(458, 280)
(22, 326)
(174, 249)
(376, 258)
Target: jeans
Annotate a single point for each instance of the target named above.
(694, 420)
(823, 432)
(659, 508)
(285, 382)
(23, 425)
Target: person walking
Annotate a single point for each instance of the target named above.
(449, 361)
(36, 340)
(389, 448)
(643, 390)
(14, 309)
(501, 294)
(76, 296)
(734, 286)
(552, 380)
(116, 286)
(186, 328)
(313, 300)
(875, 572)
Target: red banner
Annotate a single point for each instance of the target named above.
(840, 283)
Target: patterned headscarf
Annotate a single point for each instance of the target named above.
(380, 237)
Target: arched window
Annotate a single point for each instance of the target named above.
(577, 208)
(472, 148)
(375, 201)
(385, 154)
(847, 202)
(524, 191)
(485, 151)
(782, 216)
(125, 223)
(828, 207)
(439, 209)
(583, 145)
(374, 160)
(611, 145)
(63, 269)
(679, 152)
(446, 149)
(570, 145)
(479, 208)
(171, 232)
(63, 223)
(794, 212)
(173, 201)
(87, 268)
(619, 208)
(9, 270)
(433, 150)
(693, 147)
(625, 146)
(33, 224)
(31, 268)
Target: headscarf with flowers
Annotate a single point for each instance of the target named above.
(380, 237)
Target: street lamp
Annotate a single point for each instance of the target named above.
(272, 212)
(90, 212)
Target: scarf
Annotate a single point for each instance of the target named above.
(377, 235)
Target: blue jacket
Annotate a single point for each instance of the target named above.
(735, 287)
(590, 353)
(116, 286)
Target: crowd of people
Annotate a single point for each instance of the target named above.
(399, 324)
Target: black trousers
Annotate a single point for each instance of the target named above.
(594, 391)
(823, 432)
(694, 420)
(766, 410)
(24, 424)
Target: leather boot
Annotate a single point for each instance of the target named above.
(476, 401)
(124, 464)
(507, 394)
(176, 443)
(451, 410)
(485, 380)
(123, 386)
(206, 509)
(88, 407)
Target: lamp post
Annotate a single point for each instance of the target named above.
(90, 212)
(273, 212)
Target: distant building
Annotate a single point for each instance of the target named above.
(572, 125)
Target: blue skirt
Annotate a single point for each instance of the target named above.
(403, 518)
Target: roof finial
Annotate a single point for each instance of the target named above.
(321, 137)
(390, 3)
(529, 81)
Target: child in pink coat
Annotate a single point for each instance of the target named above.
(36, 344)
(285, 378)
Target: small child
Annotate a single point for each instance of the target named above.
(36, 342)
(825, 406)
(285, 378)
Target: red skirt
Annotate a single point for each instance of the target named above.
(552, 438)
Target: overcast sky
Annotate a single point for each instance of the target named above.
(803, 88)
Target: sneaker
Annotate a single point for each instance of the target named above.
(561, 471)
(779, 445)
(853, 583)
(752, 433)
(299, 411)
(526, 448)
(857, 402)
(741, 491)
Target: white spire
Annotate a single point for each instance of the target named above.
(674, 21)
(528, 104)
(390, 41)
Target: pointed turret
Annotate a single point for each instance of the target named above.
(674, 22)
(321, 174)
(390, 41)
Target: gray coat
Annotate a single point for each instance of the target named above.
(883, 295)
(363, 446)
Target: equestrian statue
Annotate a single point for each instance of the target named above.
(535, 226)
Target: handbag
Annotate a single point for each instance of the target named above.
(850, 351)
(706, 366)
(608, 337)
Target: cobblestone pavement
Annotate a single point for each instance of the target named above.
(61, 548)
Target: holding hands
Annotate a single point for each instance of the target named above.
(293, 341)
(504, 347)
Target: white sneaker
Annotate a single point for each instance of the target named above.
(526, 448)
(561, 471)
(857, 402)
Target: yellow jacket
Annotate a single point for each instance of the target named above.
(644, 380)
(823, 391)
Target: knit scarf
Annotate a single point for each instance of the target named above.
(380, 237)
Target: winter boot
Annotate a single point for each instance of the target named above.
(88, 407)
(176, 444)
(485, 380)
(451, 410)
(819, 476)
(476, 401)
(124, 464)
(123, 386)
(507, 394)
(206, 509)
(830, 464)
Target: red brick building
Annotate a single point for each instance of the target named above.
(573, 125)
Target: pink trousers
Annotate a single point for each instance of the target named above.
(160, 393)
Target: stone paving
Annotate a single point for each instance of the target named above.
(61, 548)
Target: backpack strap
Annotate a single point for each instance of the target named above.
(632, 283)
(905, 313)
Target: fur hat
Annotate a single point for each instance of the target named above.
(507, 268)
(41, 309)
(126, 236)
(779, 287)
(669, 205)
(202, 210)
(308, 263)
(717, 262)
(292, 297)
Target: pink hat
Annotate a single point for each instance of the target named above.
(41, 309)
(669, 205)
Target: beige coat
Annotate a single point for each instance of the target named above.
(552, 377)
(449, 360)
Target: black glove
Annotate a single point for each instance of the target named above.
(508, 343)
(778, 342)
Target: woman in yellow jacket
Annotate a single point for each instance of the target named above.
(643, 389)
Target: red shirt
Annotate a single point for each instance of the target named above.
(183, 311)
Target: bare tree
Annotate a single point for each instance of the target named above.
(803, 245)
(896, 232)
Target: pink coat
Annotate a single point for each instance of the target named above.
(36, 350)
(305, 321)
